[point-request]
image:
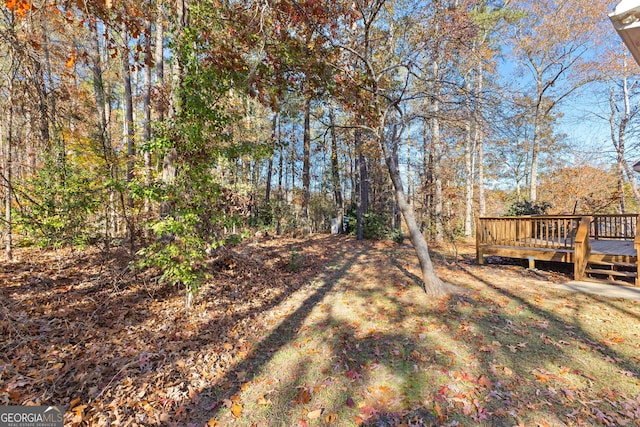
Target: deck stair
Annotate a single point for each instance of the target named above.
(601, 247)
(613, 272)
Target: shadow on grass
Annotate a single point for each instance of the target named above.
(468, 359)
(573, 330)
(438, 356)
(415, 279)
(283, 334)
(614, 304)
(92, 340)
(560, 360)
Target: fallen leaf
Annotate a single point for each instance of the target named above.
(485, 382)
(236, 410)
(74, 402)
(500, 412)
(352, 375)
(262, 401)
(350, 403)
(331, 418)
(439, 412)
(314, 415)
(542, 377)
(568, 394)
(213, 422)
(303, 397)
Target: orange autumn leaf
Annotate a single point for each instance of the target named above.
(303, 397)
(331, 418)
(236, 410)
(542, 377)
(11, 4)
(71, 61)
(485, 382)
(74, 402)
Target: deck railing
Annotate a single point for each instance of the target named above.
(544, 231)
(616, 226)
(556, 234)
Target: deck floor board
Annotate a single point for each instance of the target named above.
(613, 247)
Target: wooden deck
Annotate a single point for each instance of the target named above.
(613, 247)
(589, 242)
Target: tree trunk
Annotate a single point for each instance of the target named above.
(335, 171)
(436, 151)
(146, 108)
(535, 153)
(169, 168)
(535, 143)
(469, 151)
(101, 110)
(306, 161)
(361, 190)
(619, 142)
(432, 285)
(427, 184)
(274, 143)
(291, 184)
(159, 59)
(620, 183)
(280, 190)
(8, 178)
(49, 112)
(128, 130)
(482, 205)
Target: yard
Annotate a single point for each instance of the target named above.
(322, 331)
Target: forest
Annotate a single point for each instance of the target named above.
(176, 127)
(210, 150)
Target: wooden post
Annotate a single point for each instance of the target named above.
(479, 256)
(582, 248)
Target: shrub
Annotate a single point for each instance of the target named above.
(62, 207)
(527, 207)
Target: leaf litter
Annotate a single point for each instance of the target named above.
(264, 346)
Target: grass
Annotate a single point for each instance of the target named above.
(346, 339)
(508, 351)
